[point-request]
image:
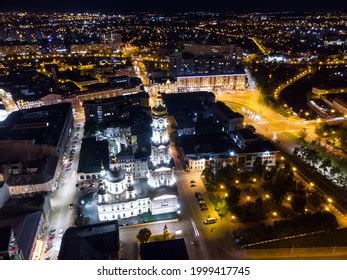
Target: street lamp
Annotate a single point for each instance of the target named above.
(330, 200)
(236, 181)
(222, 187)
(294, 168)
(226, 195)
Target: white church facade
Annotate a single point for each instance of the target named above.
(123, 195)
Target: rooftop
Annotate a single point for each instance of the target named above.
(246, 134)
(91, 242)
(45, 173)
(226, 111)
(164, 250)
(42, 125)
(210, 143)
(93, 155)
(5, 234)
(25, 229)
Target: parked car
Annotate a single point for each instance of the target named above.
(198, 195)
(201, 201)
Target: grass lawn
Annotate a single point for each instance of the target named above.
(333, 238)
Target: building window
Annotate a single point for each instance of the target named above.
(139, 211)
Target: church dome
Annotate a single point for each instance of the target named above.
(101, 191)
(159, 110)
(115, 176)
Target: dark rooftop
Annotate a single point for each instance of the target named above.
(210, 143)
(5, 234)
(43, 125)
(91, 242)
(187, 102)
(164, 250)
(230, 114)
(246, 134)
(126, 99)
(25, 229)
(93, 155)
(260, 146)
(45, 173)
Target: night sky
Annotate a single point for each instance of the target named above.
(173, 5)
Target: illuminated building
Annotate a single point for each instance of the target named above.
(160, 173)
(121, 195)
(211, 82)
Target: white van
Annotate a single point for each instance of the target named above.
(210, 220)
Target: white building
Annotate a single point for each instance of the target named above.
(122, 195)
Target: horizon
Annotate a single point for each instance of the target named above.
(223, 6)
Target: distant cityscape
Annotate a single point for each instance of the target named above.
(179, 136)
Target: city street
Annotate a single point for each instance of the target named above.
(283, 130)
(63, 215)
(217, 237)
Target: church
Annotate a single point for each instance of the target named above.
(122, 195)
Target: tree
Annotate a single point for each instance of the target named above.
(298, 203)
(258, 167)
(314, 199)
(209, 174)
(144, 235)
(226, 174)
(302, 134)
(166, 234)
(252, 211)
(281, 183)
(325, 164)
(334, 171)
(233, 196)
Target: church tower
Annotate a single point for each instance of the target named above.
(161, 172)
